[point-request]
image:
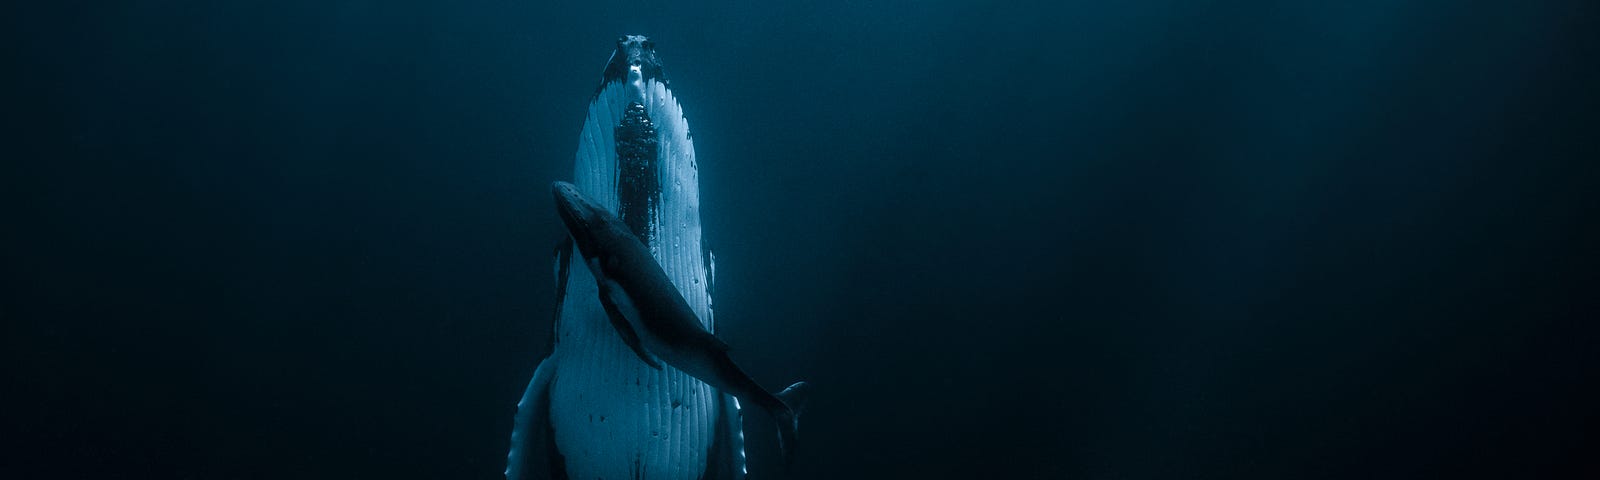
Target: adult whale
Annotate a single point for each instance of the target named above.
(593, 409)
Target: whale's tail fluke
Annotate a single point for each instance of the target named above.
(794, 398)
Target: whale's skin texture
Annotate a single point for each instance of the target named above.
(594, 410)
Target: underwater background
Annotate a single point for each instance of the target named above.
(1098, 240)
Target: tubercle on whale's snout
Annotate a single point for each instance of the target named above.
(634, 54)
(643, 41)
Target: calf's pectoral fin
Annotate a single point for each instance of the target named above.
(624, 329)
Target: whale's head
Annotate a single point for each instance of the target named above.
(634, 60)
(582, 217)
(595, 230)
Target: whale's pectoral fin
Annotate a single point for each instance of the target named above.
(533, 449)
(725, 459)
(794, 402)
(620, 322)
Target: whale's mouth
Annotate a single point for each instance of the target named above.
(638, 49)
(637, 54)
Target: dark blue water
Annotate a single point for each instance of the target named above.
(1156, 239)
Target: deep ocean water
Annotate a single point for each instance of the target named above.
(1133, 240)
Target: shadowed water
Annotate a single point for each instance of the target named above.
(1153, 239)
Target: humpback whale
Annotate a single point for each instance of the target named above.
(603, 405)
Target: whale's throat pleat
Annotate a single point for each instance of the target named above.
(638, 179)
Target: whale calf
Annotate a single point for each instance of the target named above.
(653, 319)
